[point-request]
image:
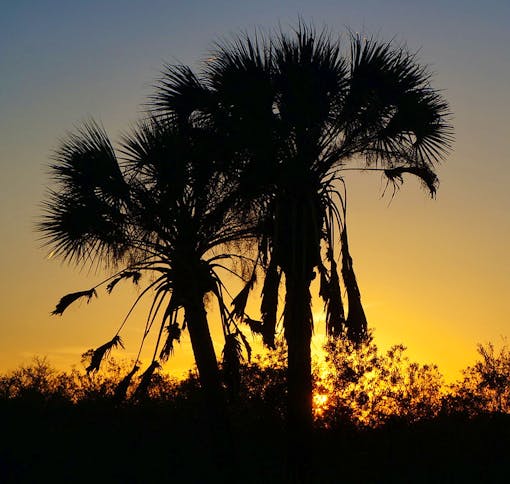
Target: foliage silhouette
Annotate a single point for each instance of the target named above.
(370, 388)
(160, 436)
(485, 386)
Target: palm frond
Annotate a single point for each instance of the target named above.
(68, 299)
(331, 294)
(239, 302)
(424, 173)
(122, 387)
(390, 111)
(83, 228)
(86, 159)
(142, 389)
(356, 322)
(269, 303)
(231, 366)
(134, 275)
(256, 327)
(173, 334)
(179, 92)
(246, 344)
(99, 353)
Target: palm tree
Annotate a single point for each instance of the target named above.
(164, 211)
(295, 110)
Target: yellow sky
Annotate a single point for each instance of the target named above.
(434, 274)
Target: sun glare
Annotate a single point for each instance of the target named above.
(320, 403)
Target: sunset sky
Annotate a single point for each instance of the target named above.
(434, 274)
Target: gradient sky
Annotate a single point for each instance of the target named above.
(434, 274)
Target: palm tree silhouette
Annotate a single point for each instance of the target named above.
(166, 211)
(294, 111)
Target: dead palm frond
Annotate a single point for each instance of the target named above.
(239, 302)
(99, 353)
(68, 299)
(330, 292)
(256, 326)
(142, 389)
(426, 175)
(122, 387)
(356, 322)
(232, 357)
(173, 334)
(133, 275)
(269, 303)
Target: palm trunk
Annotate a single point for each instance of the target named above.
(298, 333)
(203, 350)
(209, 374)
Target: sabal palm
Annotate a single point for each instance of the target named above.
(165, 210)
(294, 112)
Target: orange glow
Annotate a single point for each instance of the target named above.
(320, 404)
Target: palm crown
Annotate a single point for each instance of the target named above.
(165, 209)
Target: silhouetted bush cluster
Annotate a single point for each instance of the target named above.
(354, 385)
(370, 406)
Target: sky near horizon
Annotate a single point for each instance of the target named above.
(434, 274)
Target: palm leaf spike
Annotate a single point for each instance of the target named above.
(134, 275)
(269, 304)
(122, 387)
(145, 380)
(68, 299)
(99, 353)
(356, 322)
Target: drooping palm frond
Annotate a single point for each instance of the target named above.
(68, 299)
(173, 334)
(426, 175)
(356, 322)
(122, 387)
(232, 356)
(145, 380)
(256, 326)
(239, 302)
(269, 303)
(134, 275)
(99, 353)
(331, 294)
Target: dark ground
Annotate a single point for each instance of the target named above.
(157, 442)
